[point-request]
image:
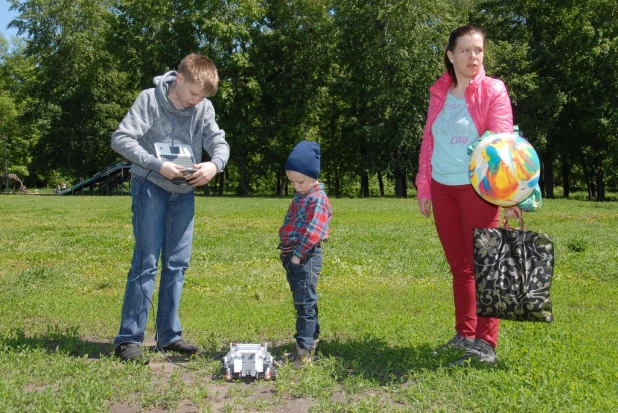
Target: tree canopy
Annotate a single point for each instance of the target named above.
(351, 74)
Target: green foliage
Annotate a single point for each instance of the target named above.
(385, 306)
(55, 178)
(352, 75)
(556, 57)
(17, 138)
(76, 94)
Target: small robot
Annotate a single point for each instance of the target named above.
(249, 360)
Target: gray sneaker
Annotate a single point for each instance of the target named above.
(480, 351)
(459, 342)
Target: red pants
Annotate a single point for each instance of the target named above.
(457, 210)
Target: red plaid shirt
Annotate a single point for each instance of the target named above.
(307, 221)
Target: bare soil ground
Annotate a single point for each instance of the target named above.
(218, 399)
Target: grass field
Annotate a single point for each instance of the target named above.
(385, 305)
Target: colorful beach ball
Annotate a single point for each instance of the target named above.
(504, 169)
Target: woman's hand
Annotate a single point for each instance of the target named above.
(513, 212)
(424, 205)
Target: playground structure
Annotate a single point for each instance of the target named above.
(109, 181)
(22, 187)
(113, 180)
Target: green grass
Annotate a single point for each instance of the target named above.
(385, 305)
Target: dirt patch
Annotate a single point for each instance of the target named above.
(122, 408)
(216, 395)
(296, 406)
(220, 396)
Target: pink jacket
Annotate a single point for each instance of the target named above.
(489, 106)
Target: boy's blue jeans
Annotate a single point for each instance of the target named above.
(303, 281)
(162, 227)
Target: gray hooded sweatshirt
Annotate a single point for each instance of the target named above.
(154, 118)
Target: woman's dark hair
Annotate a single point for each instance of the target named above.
(452, 42)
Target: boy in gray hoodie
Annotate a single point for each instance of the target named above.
(175, 112)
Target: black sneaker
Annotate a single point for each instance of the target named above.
(130, 352)
(182, 347)
(480, 352)
(459, 342)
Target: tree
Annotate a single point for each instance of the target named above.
(234, 24)
(76, 83)
(389, 53)
(566, 93)
(19, 130)
(153, 36)
(290, 58)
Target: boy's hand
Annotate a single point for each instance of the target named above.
(170, 170)
(205, 172)
(295, 260)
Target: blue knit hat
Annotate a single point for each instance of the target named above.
(305, 158)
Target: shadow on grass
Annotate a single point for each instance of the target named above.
(371, 358)
(68, 341)
(374, 359)
(57, 340)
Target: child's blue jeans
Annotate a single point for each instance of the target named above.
(303, 281)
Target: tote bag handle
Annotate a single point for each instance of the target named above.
(520, 222)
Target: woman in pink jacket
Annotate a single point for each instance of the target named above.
(464, 103)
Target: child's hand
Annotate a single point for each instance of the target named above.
(170, 170)
(205, 172)
(295, 260)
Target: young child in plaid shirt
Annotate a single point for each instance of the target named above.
(304, 228)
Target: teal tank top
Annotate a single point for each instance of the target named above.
(452, 132)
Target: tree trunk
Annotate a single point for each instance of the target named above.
(364, 189)
(282, 185)
(566, 184)
(337, 184)
(548, 174)
(221, 179)
(600, 177)
(401, 187)
(243, 187)
(589, 186)
(381, 184)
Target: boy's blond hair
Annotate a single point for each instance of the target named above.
(201, 71)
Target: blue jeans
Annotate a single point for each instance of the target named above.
(303, 281)
(162, 227)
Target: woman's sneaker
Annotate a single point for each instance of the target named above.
(480, 351)
(459, 342)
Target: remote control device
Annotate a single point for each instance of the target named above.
(179, 154)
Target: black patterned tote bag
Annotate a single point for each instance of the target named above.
(513, 269)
